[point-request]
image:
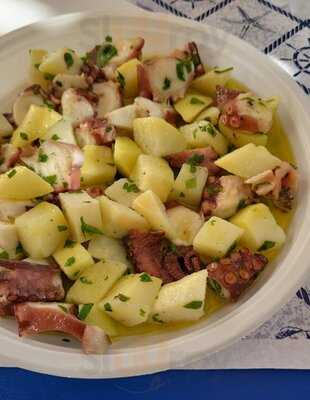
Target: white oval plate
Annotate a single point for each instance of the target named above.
(150, 353)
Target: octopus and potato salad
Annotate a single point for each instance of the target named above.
(135, 192)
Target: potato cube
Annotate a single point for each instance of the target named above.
(62, 131)
(216, 237)
(61, 61)
(153, 173)
(92, 315)
(20, 183)
(127, 75)
(186, 224)
(95, 282)
(202, 134)
(126, 153)
(35, 125)
(248, 161)
(192, 105)
(122, 118)
(189, 185)
(182, 300)
(83, 214)
(210, 114)
(118, 219)
(240, 137)
(150, 206)
(208, 82)
(9, 243)
(157, 137)
(105, 248)
(98, 167)
(10, 209)
(42, 230)
(123, 191)
(73, 259)
(131, 299)
(261, 231)
(6, 128)
(36, 76)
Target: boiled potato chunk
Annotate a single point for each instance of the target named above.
(132, 298)
(118, 219)
(83, 214)
(62, 131)
(105, 248)
(240, 138)
(123, 191)
(10, 209)
(42, 230)
(95, 282)
(153, 210)
(61, 61)
(5, 127)
(8, 240)
(73, 259)
(182, 300)
(20, 183)
(92, 315)
(208, 82)
(189, 185)
(126, 152)
(248, 161)
(157, 137)
(153, 173)
(122, 118)
(210, 114)
(186, 224)
(216, 237)
(22, 104)
(35, 125)
(36, 76)
(261, 231)
(192, 105)
(202, 134)
(98, 167)
(128, 77)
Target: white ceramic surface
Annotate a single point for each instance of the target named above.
(139, 355)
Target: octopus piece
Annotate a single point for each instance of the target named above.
(34, 318)
(247, 112)
(95, 131)
(148, 108)
(168, 78)
(58, 163)
(152, 253)
(62, 82)
(224, 95)
(31, 95)
(224, 196)
(280, 185)
(77, 105)
(9, 117)
(9, 156)
(204, 157)
(21, 281)
(109, 97)
(10, 209)
(230, 276)
(95, 191)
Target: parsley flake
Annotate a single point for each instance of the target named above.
(130, 187)
(108, 307)
(63, 308)
(12, 173)
(167, 84)
(85, 228)
(145, 277)
(86, 281)
(156, 318)
(221, 71)
(122, 297)
(108, 38)
(194, 160)
(84, 311)
(121, 80)
(215, 286)
(4, 255)
(51, 179)
(142, 312)
(194, 305)
(48, 76)
(23, 135)
(268, 244)
(55, 137)
(70, 261)
(105, 54)
(42, 157)
(19, 249)
(196, 101)
(191, 183)
(68, 59)
(62, 228)
(69, 243)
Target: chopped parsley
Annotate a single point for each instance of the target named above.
(156, 318)
(130, 187)
(23, 135)
(62, 228)
(69, 243)
(242, 204)
(121, 80)
(182, 66)
(142, 312)
(4, 255)
(51, 179)
(122, 297)
(37, 65)
(194, 305)
(212, 190)
(108, 39)
(84, 311)
(145, 277)
(196, 101)
(167, 84)
(85, 228)
(268, 244)
(42, 157)
(63, 308)
(48, 76)
(105, 54)
(191, 183)
(212, 221)
(49, 104)
(108, 307)
(172, 248)
(221, 71)
(86, 281)
(19, 249)
(70, 261)
(194, 160)
(215, 286)
(181, 194)
(55, 137)
(68, 59)
(12, 173)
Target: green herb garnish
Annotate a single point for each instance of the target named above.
(156, 318)
(48, 76)
(191, 183)
(4, 255)
(195, 100)
(19, 249)
(23, 135)
(122, 297)
(108, 307)
(194, 305)
(85, 228)
(130, 187)
(108, 39)
(167, 84)
(63, 308)
(42, 157)
(268, 244)
(145, 277)
(84, 311)
(68, 59)
(142, 312)
(62, 228)
(105, 54)
(55, 137)
(12, 173)
(69, 243)
(221, 71)
(121, 80)
(51, 179)
(194, 160)
(215, 286)
(70, 261)
(241, 204)
(86, 281)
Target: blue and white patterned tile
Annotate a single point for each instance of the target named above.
(294, 54)
(253, 21)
